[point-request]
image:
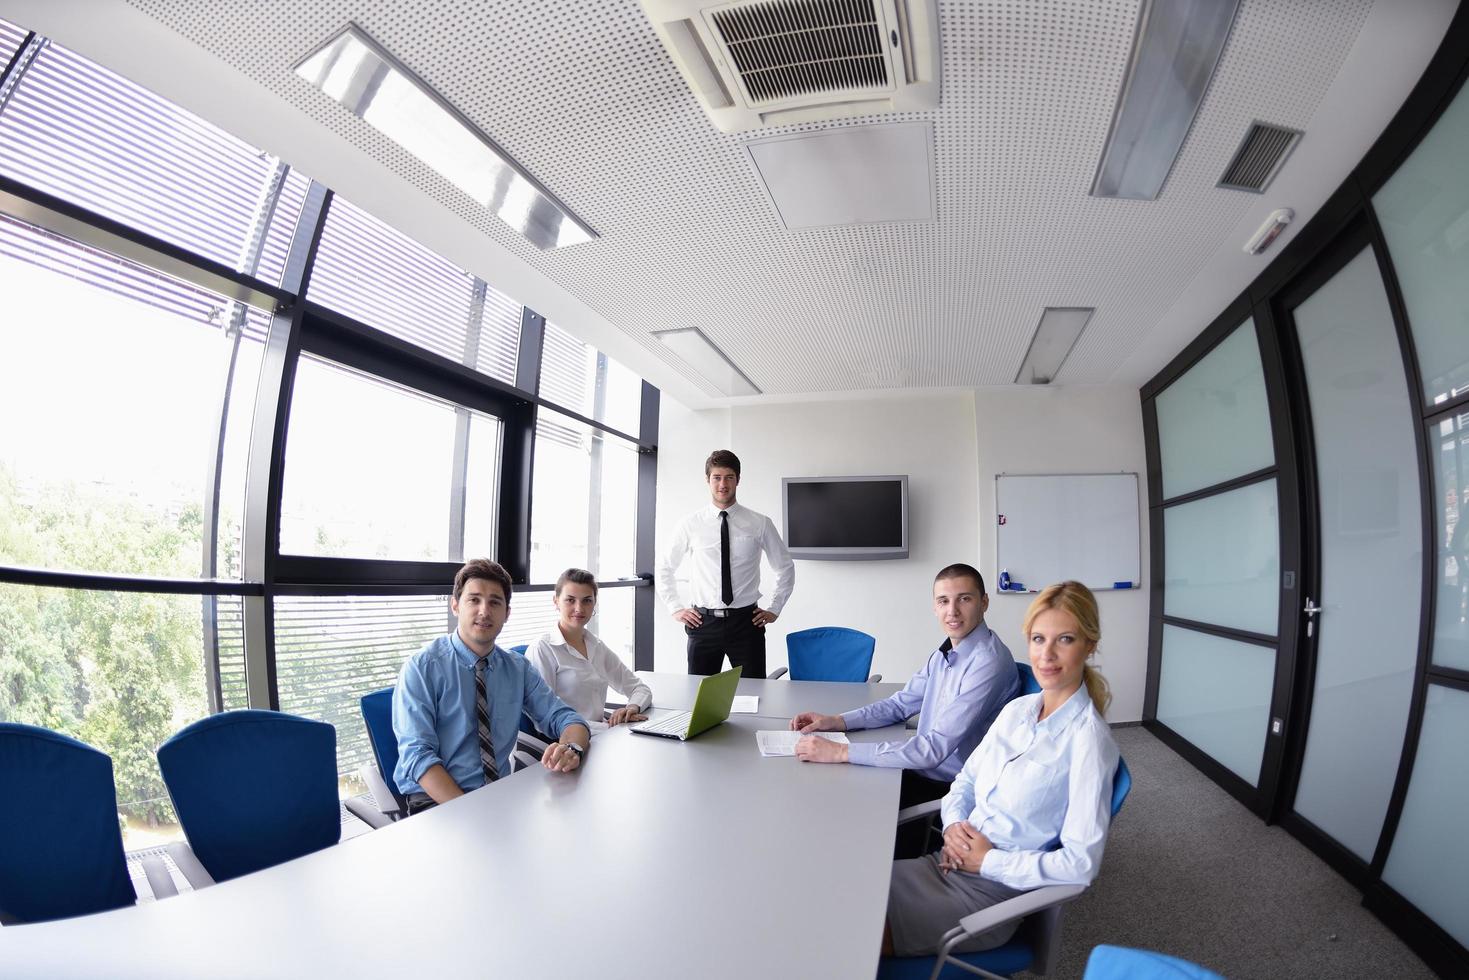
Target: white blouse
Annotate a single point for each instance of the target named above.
(582, 681)
(1041, 792)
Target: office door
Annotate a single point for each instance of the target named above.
(1362, 578)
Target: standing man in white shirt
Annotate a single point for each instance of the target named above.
(723, 543)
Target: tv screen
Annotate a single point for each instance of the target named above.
(846, 518)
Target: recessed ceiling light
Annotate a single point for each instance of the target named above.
(1055, 336)
(357, 72)
(1174, 53)
(700, 354)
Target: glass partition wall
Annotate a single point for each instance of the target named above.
(1309, 464)
(252, 431)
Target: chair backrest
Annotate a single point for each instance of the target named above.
(830, 653)
(253, 789)
(520, 648)
(62, 851)
(1121, 784)
(377, 715)
(1121, 963)
(1028, 683)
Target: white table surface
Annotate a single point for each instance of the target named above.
(713, 861)
(778, 698)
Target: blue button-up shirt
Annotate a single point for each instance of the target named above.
(1041, 791)
(956, 696)
(434, 717)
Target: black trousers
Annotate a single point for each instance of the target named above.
(918, 789)
(735, 636)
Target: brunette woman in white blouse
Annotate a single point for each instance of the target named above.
(1032, 804)
(577, 665)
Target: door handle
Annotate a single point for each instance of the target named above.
(1311, 607)
(1311, 610)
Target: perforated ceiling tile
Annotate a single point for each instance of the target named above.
(583, 95)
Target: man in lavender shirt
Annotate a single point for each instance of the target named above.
(956, 695)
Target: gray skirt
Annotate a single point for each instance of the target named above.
(924, 903)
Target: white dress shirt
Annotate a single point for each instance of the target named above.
(582, 681)
(1041, 792)
(750, 534)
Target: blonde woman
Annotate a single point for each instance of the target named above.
(1032, 804)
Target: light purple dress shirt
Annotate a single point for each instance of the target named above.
(956, 696)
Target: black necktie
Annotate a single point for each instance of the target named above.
(726, 577)
(482, 714)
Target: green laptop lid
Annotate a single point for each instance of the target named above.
(712, 703)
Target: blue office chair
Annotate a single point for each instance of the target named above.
(377, 716)
(1035, 944)
(252, 789)
(1121, 963)
(1028, 683)
(63, 849)
(828, 653)
(519, 648)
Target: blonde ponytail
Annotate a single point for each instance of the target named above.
(1097, 689)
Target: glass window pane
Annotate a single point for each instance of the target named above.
(1214, 423)
(1448, 443)
(119, 373)
(1426, 865)
(331, 650)
(1216, 693)
(1371, 555)
(229, 617)
(1424, 213)
(614, 624)
(584, 501)
(532, 615)
(382, 277)
(1222, 559)
(121, 671)
(76, 130)
(581, 378)
(370, 470)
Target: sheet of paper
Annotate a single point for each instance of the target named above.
(745, 704)
(784, 743)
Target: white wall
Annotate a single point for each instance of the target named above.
(950, 445)
(1070, 430)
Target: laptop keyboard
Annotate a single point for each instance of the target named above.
(675, 724)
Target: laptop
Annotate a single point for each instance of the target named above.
(711, 707)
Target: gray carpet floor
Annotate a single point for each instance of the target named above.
(1190, 872)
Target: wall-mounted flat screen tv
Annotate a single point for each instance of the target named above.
(846, 518)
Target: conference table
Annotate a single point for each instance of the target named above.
(658, 858)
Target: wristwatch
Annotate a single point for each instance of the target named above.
(580, 752)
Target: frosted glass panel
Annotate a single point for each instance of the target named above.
(1371, 555)
(1424, 212)
(1427, 865)
(1213, 423)
(1448, 443)
(1221, 559)
(1216, 693)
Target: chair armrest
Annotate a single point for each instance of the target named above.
(875, 679)
(531, 744)
(910, 813)
(369, 814)
(1018, 907)
(522, 760)
(160, 882)
(776, 674)
(382, 794)
(189, 866)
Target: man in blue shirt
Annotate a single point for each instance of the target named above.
(457, 706)
(956, 695)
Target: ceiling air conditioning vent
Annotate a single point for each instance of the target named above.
(1259, 157)
(777, 62)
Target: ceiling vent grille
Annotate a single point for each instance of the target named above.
(1259, 157)
(777, 62)
(788, 48)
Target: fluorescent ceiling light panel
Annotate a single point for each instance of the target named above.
(1055, 336)
(690, 344)
(849, 175)
(357, 72)
(1174, 53)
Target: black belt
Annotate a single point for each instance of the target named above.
(724, 612)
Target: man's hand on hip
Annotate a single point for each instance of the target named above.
(764, 617)
(689, 617)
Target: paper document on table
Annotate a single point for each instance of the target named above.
(784, 743)
(745, 704)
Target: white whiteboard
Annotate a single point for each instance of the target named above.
(1068, 526)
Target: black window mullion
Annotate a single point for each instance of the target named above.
(644, 599)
